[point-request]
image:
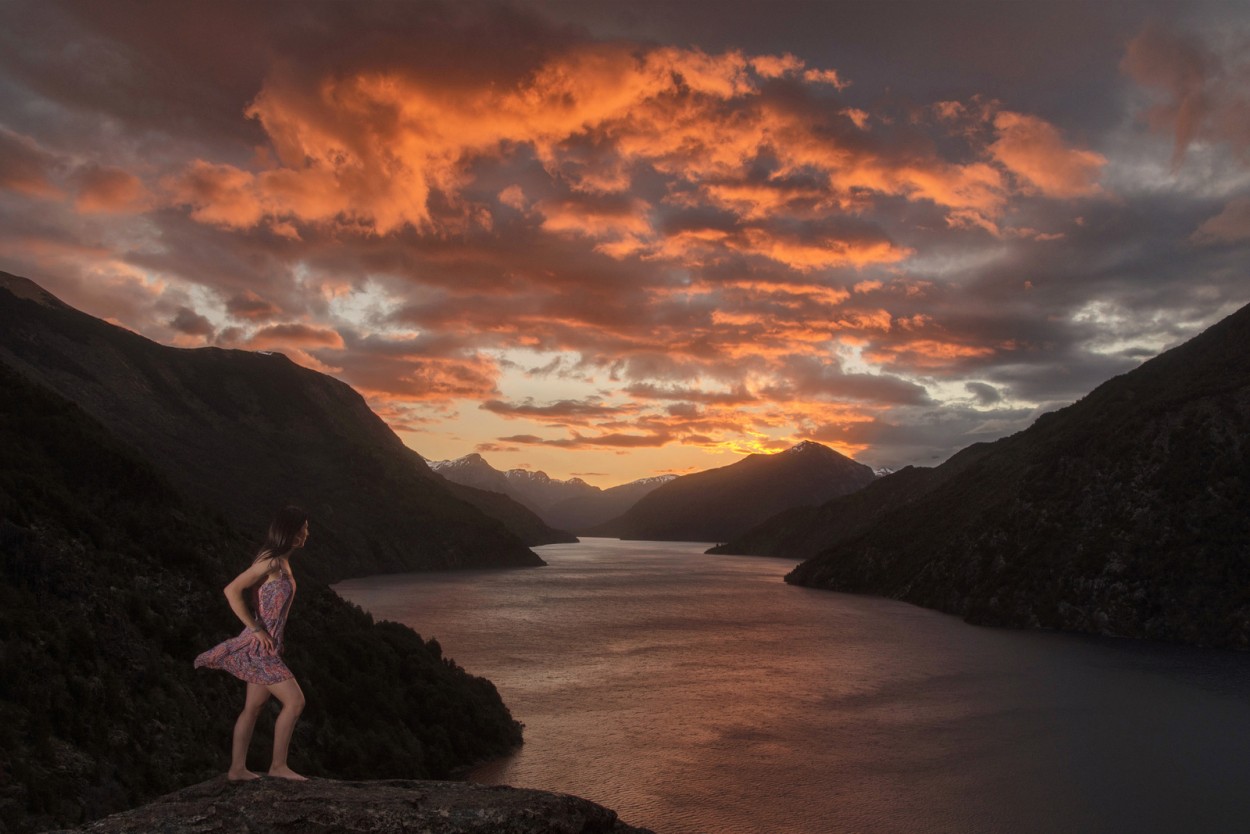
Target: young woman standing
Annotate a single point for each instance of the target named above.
(255, 656)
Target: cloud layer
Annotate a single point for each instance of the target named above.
(514, 233)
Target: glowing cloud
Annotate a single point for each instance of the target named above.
(492, 225)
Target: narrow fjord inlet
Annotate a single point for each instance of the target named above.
(697, 693)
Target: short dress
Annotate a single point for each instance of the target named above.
(243, 656)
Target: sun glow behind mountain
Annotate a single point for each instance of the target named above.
(609, 249)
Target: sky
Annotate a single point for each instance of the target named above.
(614, 240)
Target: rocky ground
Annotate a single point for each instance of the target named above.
(328, 806)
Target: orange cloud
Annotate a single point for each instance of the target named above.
(368, 151)
(25, 167)
(805, 256)
(1231, 224)
(1033, 150)
(106, 190)
(436, 379)
(926, 353)
(775, 66)
(249, 305)
(277, 336)
(827, 76)
(612, 218)
(218, 194)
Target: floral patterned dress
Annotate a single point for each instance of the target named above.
(243, 656)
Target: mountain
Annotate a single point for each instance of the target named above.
(247, 432)
(532, 489)
(472, 470)
(110, 584)
(1122, 514)
(567, 505)
(541, 492)
(585, 512)
(719, 504)
(803, 532)
(520, 520)
(472, 479)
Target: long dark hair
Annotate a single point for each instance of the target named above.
(283, 531)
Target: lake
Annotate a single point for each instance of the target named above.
(696, 693)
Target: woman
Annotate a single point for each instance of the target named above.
(255, 656)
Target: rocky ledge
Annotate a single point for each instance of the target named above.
(380, 807)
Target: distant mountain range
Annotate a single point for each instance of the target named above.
(246, 432)
(568, 505)
(585, 512)
(719, 504)
(1125, 513)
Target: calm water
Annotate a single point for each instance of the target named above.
(697, 693)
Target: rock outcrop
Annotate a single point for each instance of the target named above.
(383, 807)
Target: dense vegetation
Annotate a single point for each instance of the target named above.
(243, 432)
(1126, 513)
(110, 584)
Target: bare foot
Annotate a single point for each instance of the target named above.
(286, 773)
(241, 775)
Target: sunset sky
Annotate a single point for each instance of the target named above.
(617, 239)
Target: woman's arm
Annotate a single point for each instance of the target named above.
(234, 595)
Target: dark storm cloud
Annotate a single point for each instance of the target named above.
(192, 323)
(562, 412)
(984, 394)
(926, 437)
(810, 378)
(577, 441)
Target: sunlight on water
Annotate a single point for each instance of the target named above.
(696, 693)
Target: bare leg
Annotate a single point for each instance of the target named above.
(256, 697)
(292, 698)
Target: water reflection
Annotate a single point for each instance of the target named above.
(698, 693)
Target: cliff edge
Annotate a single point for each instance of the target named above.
(379, 807)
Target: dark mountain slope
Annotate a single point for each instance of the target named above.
(1126, 513)
(803, 532)
(110, 584)
(718, 504)
(246, 432)
(518, 518)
